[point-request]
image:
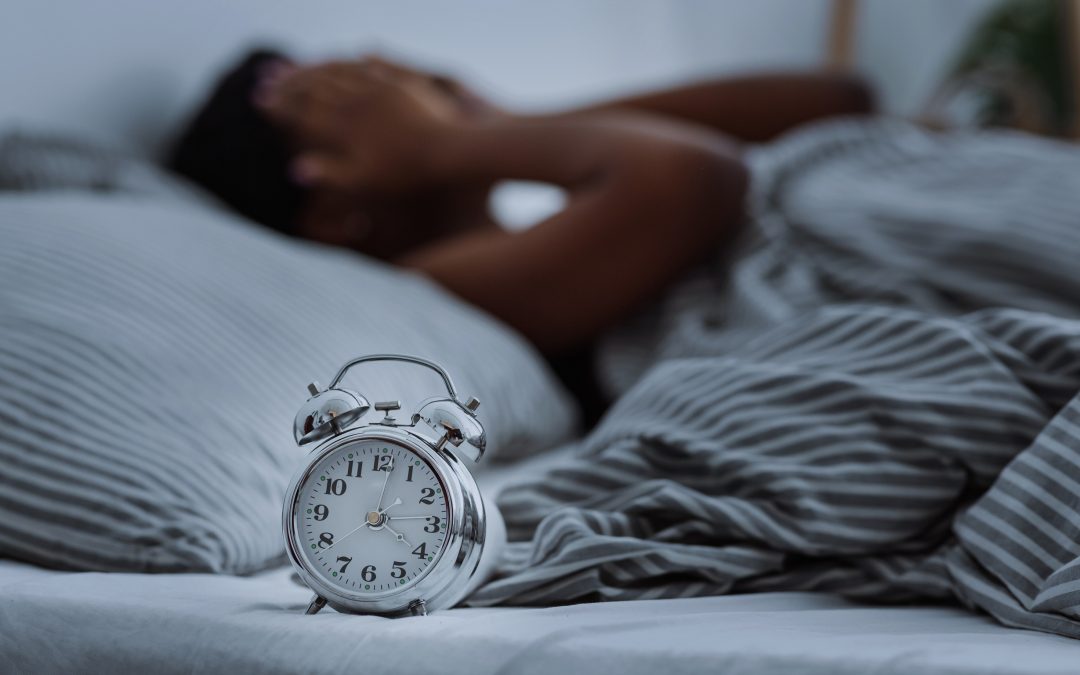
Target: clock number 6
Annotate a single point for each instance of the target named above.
(368, 573)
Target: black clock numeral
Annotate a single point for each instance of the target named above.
(408, 477)
(420, 551)
(399, 569)
(355, 469)
(335, 486)
(321, 512)
(368, 573)
(427, 496)
(433, 524)
(346, 559)
(382, 463)
(326, 540)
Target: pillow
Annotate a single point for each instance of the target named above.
(38, 161)
(152, 358)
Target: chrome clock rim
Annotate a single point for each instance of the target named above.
(455, 562)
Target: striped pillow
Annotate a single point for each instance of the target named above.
(152, 358)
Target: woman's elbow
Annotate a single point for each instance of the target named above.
(852, 95)
(709, 185)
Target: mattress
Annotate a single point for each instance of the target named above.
(182, 623)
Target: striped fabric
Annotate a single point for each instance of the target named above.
(880, 398)
(152, 357)
(32, 161)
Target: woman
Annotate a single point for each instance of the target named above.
(398, 163)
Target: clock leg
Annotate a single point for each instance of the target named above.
(418, 607)
(317, 603)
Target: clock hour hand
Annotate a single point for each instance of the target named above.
(396, 502)
(377, 519)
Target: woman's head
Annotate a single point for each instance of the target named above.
(233, 150)
(248, 143)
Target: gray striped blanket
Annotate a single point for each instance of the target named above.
(878, 398)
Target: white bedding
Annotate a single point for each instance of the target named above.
(52, 622)
(184, 623)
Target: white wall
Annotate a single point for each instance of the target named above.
(125, 71)
(907, 44)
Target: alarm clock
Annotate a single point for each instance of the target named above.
(384, 517)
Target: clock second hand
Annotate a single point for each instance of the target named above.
(338, 541)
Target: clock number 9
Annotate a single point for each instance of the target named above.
(321, 512)
(368, 573)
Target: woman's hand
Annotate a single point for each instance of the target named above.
(366, 125)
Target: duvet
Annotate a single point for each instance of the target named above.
(878, 397)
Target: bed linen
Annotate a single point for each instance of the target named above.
(153, 355)
(880, 397)
(58, 622)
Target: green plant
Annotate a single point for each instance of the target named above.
(1016, 60)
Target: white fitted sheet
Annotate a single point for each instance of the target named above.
(183, 623)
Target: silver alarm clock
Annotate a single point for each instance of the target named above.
(384, 518)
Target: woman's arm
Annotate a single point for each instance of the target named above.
(752, 108)
(646, 200)
(647, 197)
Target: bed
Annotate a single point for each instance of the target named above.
(237, 615)
(659, 507)
(180, 623)
(54, 621)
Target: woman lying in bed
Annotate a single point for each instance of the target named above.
(398, 163)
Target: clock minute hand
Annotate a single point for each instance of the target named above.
(382, 493)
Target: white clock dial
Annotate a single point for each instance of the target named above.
(371, 518)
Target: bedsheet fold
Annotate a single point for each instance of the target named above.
(879, 398)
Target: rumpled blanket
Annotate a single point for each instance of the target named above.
(877, 395)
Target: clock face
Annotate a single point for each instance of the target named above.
(371, 518)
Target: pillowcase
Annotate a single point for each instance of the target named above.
(152, 358)
(38, 161)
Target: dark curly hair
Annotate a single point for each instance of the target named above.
(232, 150)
